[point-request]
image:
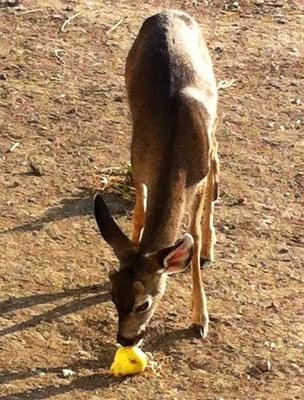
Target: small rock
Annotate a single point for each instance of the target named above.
(259, 2)
(264, 366)
(259, 369)
(219, 50)
(68, 8)
(235, 6)
(38, 372)
(68, 373)
(237, 202)
(263, 264)
(281, 21)
(295, 50)
(84, 353)
(295, 366)
(298, 124)
(36, 169)
(296, 101)
(254, 372)
(72, 110)
(284, 250)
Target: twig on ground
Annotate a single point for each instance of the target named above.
(273, 4)
(14, 146)
(104, 182)
(68, 21)
(225, 84)
(30, 11)
(59, 58)
(115, 26)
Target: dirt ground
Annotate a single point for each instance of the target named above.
(64, 132)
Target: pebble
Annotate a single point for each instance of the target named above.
(298, 124)
(68, 373)
(259, 369)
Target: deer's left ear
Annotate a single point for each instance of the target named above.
(109, 229)
(176, 258)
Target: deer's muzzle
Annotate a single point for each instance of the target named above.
(129, 341)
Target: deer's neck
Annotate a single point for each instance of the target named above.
(165, 209)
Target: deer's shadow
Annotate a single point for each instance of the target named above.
(78, 205)
(87, 383)
(100, 295)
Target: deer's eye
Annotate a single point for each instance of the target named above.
(143, 307)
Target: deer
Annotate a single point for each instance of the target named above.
(172, 96)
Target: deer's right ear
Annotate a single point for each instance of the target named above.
(176, 258)
(109, 229)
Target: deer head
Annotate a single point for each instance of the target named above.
(140, 280)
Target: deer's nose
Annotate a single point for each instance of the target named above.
(129, 341)
(124, 341)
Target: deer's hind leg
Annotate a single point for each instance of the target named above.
(200, 315)
(207, 226)
(139, 212)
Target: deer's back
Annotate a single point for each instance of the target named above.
(169, 54)
(168, 70)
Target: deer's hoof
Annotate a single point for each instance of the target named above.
(200, 331)
(205, 263)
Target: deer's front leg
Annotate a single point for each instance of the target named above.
(200, 315)
(139, 212)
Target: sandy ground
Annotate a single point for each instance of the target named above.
(64, 131)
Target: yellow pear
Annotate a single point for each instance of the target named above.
(128, 361)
